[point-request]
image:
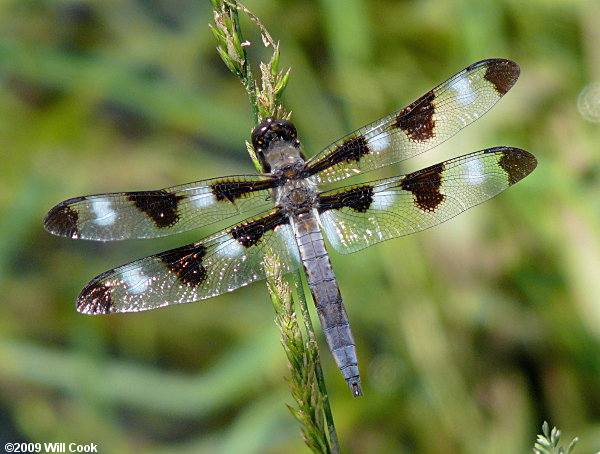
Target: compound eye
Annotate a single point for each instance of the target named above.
(258, 135)
(287, 128)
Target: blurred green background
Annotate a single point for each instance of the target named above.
(469, 335)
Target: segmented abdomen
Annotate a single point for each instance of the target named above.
(326, 294)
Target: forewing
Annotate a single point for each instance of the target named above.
(424, 124)
(222, 263)
(360, 216)
(151, 214)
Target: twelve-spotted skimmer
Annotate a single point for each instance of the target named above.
(297, 212)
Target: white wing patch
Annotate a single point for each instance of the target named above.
(204, 200)
(288, 235)
(475, 172)
(382, 200)
(135, 280)
(378, 141)
(230, 247)
(105, 215)
(335, 232)
(464, 91)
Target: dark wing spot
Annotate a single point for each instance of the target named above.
(62, 219)
(358, 199)
(517, 164)
(232, 190)
(503, 74)
(160, 206)
(95, 298)
(416, 120)
(350, 150)
(250, 233)
(425, 185)
(186, 263)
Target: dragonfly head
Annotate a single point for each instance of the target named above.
(274, 135)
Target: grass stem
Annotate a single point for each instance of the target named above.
(306, 381)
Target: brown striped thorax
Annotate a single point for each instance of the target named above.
(285, 213)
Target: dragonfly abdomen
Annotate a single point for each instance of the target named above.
(327, 297)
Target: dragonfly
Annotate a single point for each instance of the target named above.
(289, 213)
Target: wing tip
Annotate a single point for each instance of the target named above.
(495, 64)
(95, 298)
(503, 74)
(516, 162)
(62, 220)
(92, 307)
